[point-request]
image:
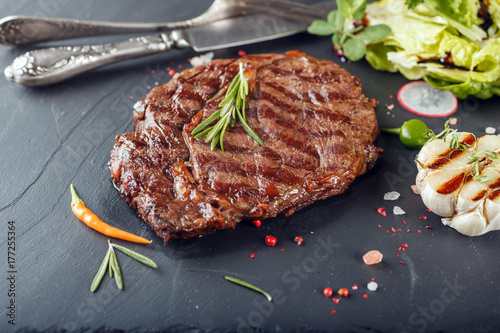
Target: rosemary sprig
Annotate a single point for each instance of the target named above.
(248, 285)
(111, 261)
(113, 266)
(232, 108)
(101, 272)
(137, 256)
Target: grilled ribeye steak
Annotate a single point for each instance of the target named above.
(318, 131)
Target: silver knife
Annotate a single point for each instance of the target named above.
(51, 65)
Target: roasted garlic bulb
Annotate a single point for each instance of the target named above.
(459, 180)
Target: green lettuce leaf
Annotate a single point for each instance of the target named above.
(437, 41)
(461, 14)
(376, 55)
(470, 87)
(494, 10)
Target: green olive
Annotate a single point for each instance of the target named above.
(413, 133)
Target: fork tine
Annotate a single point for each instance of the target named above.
(288, 7)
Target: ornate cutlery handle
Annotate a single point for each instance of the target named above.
(23, 30)
(52, 65)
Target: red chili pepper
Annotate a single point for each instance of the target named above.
(89, 218)
(257, 223)
(336, 300)
(252, 256)
(328, 292)
(270, 240)
(299, 240)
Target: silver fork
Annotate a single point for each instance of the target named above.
(23, 30)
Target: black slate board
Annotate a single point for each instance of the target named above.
(61, 134)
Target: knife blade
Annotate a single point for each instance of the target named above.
(52, 65)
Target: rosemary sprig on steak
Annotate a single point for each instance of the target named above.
(232, 108)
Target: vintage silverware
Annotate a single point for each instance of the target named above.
(51, 65)
(23, 30)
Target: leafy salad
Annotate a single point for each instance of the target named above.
(452, 44)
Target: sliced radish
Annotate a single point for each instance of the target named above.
(420, 98)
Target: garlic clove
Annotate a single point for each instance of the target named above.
(430, 151)
(472, 223)
(439, 190)
(470, 196)
(488, 142)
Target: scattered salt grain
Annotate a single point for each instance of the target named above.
(372, 286)
(202, 59)
(490, 130)
(414, 189)
(373, 257)
(398, 211)
(391, 195)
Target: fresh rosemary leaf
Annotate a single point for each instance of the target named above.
(137, 256)
(101, 272)
(116, 269)
(206, 122)
(231, 108)
(249, 129)
(248, 285)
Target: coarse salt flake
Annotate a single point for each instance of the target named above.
(372, 286)
(415, 189)
(490, 130)
(398, 211)
(373, 257)
(201, 59)
(393, 195)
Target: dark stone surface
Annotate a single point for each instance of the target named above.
(61, 134)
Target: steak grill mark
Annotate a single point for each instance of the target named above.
(318, 131)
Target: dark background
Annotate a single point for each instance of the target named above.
(53, 136)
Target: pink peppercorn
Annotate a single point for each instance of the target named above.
(343, 292)
(270, 240)
(299, 240)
